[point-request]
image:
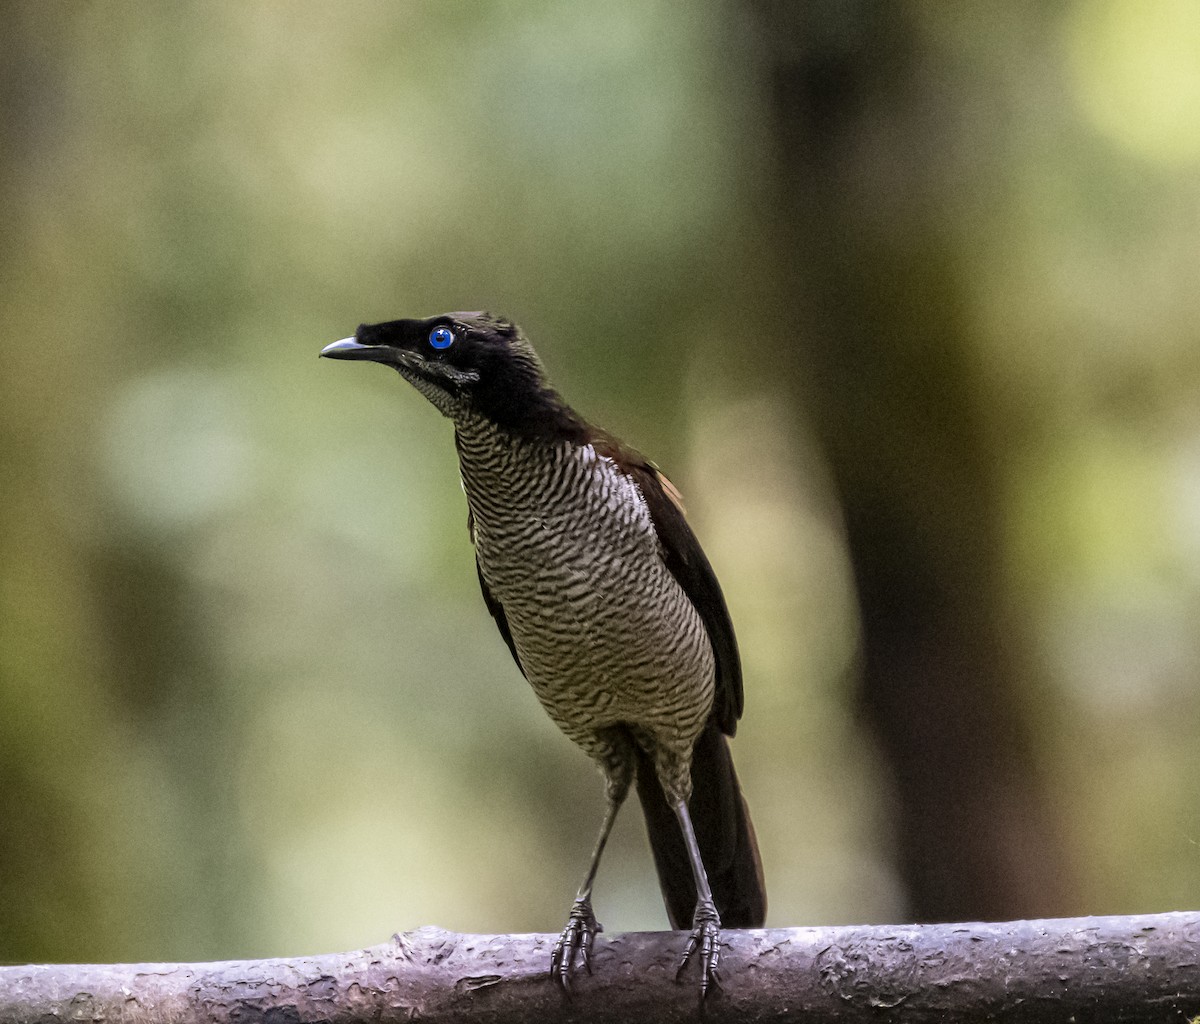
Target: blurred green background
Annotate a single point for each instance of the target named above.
(904, 285)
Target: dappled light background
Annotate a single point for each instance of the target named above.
(250, 700)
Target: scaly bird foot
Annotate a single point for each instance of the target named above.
(576, 939)
(705, 937)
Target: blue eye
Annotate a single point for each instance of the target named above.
(441, 337)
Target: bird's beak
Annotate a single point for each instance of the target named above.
(350, 348)
(408, 363)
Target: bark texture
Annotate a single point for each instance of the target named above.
(1109, 969)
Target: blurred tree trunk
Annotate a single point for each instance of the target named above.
(871, 284)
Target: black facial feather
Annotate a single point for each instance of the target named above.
(513, 391)
(489, 369)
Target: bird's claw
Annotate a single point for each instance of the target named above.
(576, 939)
(706, 938)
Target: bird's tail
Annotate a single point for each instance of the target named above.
(723, 830)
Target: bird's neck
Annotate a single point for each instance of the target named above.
(521, 409)
(502, 469)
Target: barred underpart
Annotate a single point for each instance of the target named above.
(611, 644)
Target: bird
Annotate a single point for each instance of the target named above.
(610, 609)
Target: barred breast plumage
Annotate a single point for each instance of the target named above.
(604, 632)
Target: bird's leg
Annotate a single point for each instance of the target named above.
(706, 922)
(582, 925)
(578, 935)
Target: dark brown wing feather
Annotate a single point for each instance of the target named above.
(497, 610)
(687, 562)
(493, 606)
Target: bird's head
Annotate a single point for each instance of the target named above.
(469, 365)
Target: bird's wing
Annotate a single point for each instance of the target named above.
(687, 562)
(494, 606)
